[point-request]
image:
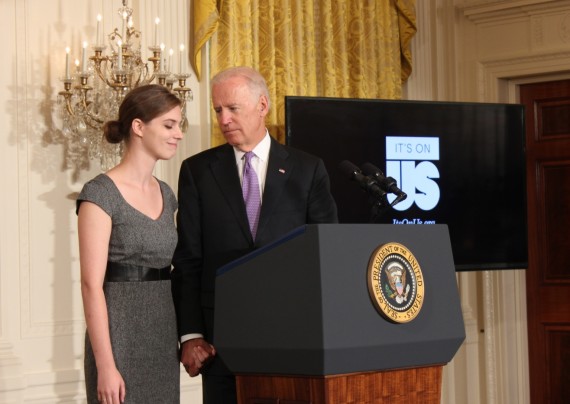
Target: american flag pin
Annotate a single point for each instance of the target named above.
(282, 171)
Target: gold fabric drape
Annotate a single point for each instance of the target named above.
(328, 48)
(407, 29)
(205, 23)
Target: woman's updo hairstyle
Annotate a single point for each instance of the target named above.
(144, 103)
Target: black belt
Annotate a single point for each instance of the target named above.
(117, 272)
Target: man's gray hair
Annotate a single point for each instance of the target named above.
(254, 80)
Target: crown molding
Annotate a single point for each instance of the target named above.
(481, 11)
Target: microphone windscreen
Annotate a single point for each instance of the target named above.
(349, 168)
(370, 169)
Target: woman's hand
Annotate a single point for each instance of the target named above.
(110, 386)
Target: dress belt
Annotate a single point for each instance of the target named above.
(117, 272)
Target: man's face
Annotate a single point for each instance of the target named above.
(240, 113)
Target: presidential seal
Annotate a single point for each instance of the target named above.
(395, 283)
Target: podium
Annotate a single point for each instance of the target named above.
(297, 321)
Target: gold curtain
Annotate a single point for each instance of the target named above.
(327, 48)
(204, 24)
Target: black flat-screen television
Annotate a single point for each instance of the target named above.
(460, 164)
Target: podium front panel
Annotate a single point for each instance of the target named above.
(302, 307)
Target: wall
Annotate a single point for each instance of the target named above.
(481, 50)
(41, 316)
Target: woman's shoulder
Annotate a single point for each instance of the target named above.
(101, 180)
(102, 183)
(99, 190)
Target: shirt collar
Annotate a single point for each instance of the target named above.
(261, 150)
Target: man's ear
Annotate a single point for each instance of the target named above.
(263, 105)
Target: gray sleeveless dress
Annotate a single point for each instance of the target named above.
(142, 321)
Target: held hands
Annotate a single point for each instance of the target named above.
(195, 354)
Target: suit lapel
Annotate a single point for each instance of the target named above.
(225, 173)
(279, 168)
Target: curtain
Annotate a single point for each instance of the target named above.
(204, 24)
(326, 48)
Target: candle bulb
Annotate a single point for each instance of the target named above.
(170, 53)
(181, 57)
(123, 26)
(77, 65)
(156, 21)
(98, 37)
(120, 55)
(162, 58)
(67, 66)
(84, 58)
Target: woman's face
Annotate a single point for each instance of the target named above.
(161, 135)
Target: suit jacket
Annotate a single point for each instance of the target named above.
(212, 222)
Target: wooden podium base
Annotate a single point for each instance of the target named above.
(416, 385)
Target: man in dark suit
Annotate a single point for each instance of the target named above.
(213, 227)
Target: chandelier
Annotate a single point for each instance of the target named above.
(95, 88)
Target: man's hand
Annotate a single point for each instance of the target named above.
(195, 353)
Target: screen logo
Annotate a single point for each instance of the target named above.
(410, 161)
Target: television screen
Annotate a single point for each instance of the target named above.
(460, 164)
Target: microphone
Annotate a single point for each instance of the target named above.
(365, 182)
(388, 184)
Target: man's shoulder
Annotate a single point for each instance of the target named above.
(295, 153)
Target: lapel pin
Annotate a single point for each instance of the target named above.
(282, 171)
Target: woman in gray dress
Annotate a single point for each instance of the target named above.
(127, 238)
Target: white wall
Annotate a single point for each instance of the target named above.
(465, 51)
(41, 317)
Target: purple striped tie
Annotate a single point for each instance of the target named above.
(251, 195)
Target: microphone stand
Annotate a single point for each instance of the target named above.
(379, 207)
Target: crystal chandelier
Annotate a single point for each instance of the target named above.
(93, 92)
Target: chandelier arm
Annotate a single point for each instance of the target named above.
(83, 90)
(88, 116)
(106, 77)
(135, 81)
(144, 75)
(67, 98)
(149, 79)
(102, 76)
(99, 71)
(90, 119)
